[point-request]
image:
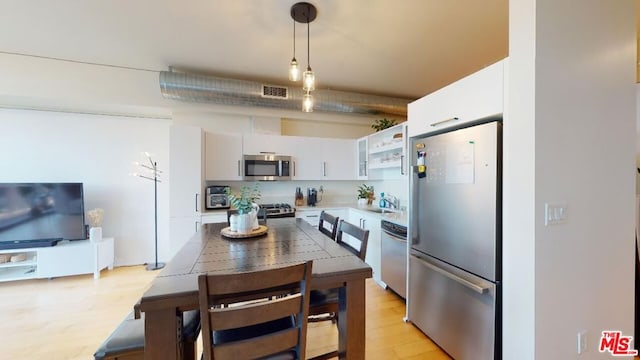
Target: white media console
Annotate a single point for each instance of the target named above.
(64, 259)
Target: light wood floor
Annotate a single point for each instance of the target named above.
(67, 318)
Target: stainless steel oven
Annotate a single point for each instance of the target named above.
(267, 167)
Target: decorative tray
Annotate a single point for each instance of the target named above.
(226, 232)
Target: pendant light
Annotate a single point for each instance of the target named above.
(307, 102)
(294, 70)
(304, 12)
(308, 77)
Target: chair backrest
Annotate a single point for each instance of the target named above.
(251, 299)
(332, 221)
(358, 234)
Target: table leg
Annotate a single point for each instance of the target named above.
(161, 335)
(351, 321)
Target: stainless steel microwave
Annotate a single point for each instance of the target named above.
(267, 167)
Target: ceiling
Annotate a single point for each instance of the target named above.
(405, 48)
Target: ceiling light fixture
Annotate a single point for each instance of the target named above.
(304, 12)
(307, 102)
(294, 70)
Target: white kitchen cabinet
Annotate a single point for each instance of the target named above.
(186, 183)
(215, 217)
(307, 157)
(388, 153)
(312, 217)
(181, 229)
(371, 222)
(313, 158)
(476, 96)
(223, 156)
(185, 171)
(321, 158)
(256, 144)
(338, 159)
(362, 157)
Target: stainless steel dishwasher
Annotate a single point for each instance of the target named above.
(394, 256)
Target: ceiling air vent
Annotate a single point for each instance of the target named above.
(274, 92)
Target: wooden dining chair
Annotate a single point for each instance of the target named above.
(331, 221)
(357, 242)
(260, 314)
(323, 304)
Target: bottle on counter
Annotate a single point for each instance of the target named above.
(383, 201)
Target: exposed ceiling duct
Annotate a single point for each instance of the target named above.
(223, 91)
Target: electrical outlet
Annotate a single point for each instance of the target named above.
(582, 342)
(555, 213)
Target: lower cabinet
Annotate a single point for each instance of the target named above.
(217, 217)
(370, 222)
(310, 216)
(181, 229)
(64, 259)
(313, 216)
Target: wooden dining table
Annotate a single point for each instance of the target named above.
(287, 241)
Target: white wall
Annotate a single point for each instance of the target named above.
(570, 136)
(97, 150)
(331, 129)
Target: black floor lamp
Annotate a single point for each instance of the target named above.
(155, 177)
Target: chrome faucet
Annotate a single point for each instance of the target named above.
(392, 201)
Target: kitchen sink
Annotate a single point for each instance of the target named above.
(380, 211)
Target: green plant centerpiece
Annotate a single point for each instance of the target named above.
(245, 199)
(366, 193)
(382, 124)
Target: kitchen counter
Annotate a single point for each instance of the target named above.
(397, 217)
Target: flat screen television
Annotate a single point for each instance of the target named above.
(41, 213)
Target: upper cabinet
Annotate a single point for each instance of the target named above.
(256, 144)
(476, 96)
(185, 171)
(223, 156)
(338, 159)
(387, 157)
(362, 157)
(312, 158)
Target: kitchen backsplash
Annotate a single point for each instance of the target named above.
(334, 192)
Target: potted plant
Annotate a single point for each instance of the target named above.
(382, 124)
(365, 194)
(245, 202)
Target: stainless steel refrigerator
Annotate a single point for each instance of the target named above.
(455, 262)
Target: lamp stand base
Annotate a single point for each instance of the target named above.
(155, 266)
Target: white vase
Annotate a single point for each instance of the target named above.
(245, 223)
(362, 202)
(233, 222)
(95, 234)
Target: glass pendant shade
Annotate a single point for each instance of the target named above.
(307, 102)
(294, 70)
(308, 80)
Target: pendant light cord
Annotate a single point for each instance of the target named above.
(294, 38)
(308, 57)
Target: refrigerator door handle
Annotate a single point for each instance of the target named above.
(459, 280)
